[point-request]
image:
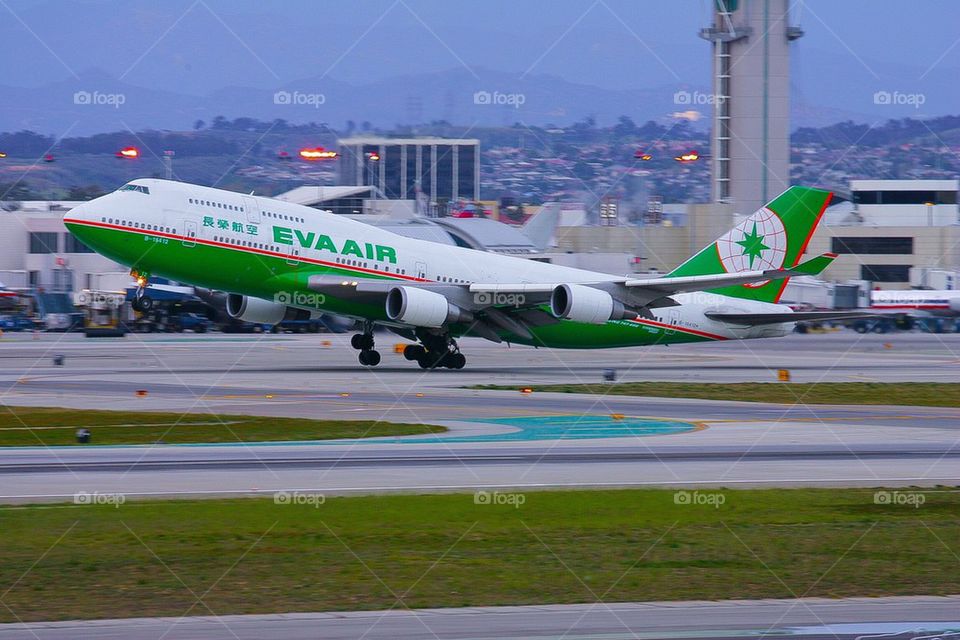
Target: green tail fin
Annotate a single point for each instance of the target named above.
(775, 236)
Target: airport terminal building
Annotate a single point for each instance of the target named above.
(890, 227)
(442, 169)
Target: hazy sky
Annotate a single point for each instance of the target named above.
(176, 61)
(195, 46)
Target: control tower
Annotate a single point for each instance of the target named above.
(751, 105)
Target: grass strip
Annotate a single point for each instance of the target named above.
(37, 426)
(304, 553)
(931, 394)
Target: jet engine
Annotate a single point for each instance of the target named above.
(260, 311)
(422, 308)
(586, 304)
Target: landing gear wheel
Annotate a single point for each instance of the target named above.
(413, 352)
(455, 361)
(361, 341)
(142, 304)
(369, 357)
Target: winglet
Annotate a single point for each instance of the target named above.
(815, 266)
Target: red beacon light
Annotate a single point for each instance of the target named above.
(128, 152)
(48, 157)
(319, 153)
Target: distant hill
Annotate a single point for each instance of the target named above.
(96, 102)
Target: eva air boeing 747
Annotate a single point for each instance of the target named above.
(278, 260)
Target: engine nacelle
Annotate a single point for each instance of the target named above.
(586, 304)
(423, 308)
(260, 311)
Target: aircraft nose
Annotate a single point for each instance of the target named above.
(81, 212)
(78, 220)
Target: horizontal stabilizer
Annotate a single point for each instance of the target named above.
(680, 284)
(777, 318)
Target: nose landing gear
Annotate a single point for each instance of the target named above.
(141, 301)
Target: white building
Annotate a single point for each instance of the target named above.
(37, 251)
(903, 203)
(893, 226)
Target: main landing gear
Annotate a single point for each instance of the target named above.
(363, 342)
(436, 351)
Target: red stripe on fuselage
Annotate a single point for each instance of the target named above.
(663, 325)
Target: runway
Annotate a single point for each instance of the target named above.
(810, 618)
(497, 439)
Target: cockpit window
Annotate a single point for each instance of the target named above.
(135, 187)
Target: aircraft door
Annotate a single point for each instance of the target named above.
(673, 320)
(421, 270)
(252, 208)
(190, 233)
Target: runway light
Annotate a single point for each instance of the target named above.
(526, 390)
(419, 395)
(128, 152)
(141, 393)
(326, 343)
(691, 156)
(269, 396)
(399, 347)
(617, 416)
(344, 395)
(783, 375)
(2, 154)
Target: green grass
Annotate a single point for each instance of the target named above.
(932, 394)
(252, 555)
(35, 426)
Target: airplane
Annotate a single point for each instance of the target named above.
(930, 308)
(923, 302)
(280, 260)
